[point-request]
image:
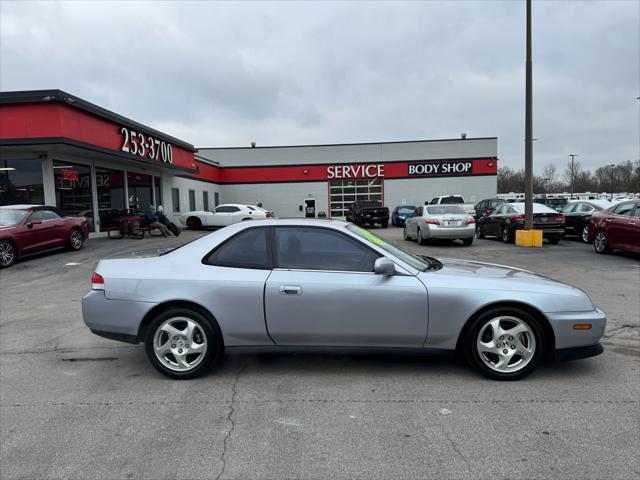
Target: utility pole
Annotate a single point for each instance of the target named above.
(573, 156)
(612, 165)
(528, 132)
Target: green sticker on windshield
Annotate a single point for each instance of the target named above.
(371, 237)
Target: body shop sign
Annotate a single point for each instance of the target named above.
(442, 167)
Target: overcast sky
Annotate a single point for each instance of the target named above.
(224, 74)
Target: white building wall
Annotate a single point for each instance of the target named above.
(284, 199)
(169, 181)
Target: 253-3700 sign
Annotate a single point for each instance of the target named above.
(143, 145)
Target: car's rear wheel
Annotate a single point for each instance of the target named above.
(467, 241)
(8, 253)
(505, 344)
(506, 235)
(600, 242)
(585, 234)
(405, 234)
(194, 223)
(182, 343)
(76, 239)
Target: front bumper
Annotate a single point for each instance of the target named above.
(114, 319)
(576, 353)
(568, 338)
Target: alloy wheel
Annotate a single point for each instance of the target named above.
(585, 234)
(506, 344)
(7, 254)
(600, 242)
(505, 234)
(76, 239)
(180, 344)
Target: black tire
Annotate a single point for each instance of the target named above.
(601, 242)
(473, 356)
(419, 238)
(194, 223)
(467, 241)
(76, 239)
(210, 329)
(479, 233)
(506, 235)
(385, 224)
(8, 253)
(248, 218)
(405, 234)
(554, 239)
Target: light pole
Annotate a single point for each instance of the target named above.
(528, 130)
(573, 156)
(612, 165)
(548, 180)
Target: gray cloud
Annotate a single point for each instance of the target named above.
(290, 73)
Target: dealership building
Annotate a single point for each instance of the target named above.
(57, 149)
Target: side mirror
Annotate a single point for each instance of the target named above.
(34, 222)
(384, 266)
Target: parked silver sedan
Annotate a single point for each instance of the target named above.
(440, 222)
(282, 284)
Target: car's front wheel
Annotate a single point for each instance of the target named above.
(182, 343)
(505, 344)
(8, 253)
(419, 238)
(479, 232)
(585, 234)
(76, 239)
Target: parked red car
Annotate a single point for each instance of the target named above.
(616, 227)
(29, 229)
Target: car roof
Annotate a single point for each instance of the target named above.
(20, 207)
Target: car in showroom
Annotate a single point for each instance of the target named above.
(222, 216)
(440, 222)
(400, 214)
(506, 218)
(578, 215)
(617, 227)
(302, 284)
(29, 229)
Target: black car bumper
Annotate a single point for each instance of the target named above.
(576, 353)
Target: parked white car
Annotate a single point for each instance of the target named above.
(221, 216)
(440, 222)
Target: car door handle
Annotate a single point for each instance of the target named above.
(290, 290)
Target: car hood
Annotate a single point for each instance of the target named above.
(494, 276)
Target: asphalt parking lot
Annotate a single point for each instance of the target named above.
(73, 405)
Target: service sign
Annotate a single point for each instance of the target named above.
(355, 171)
(441, 168)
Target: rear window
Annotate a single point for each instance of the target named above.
(451, 199)
(445, 210)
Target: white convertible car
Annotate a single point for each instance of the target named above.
(222, 215)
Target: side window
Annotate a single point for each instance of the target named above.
(623, 209)
(49, 215)
(306, 248)
(571, 207)
(36, 216)
(248, 249)
(584, 208)
(420, 211)
(233, 209)
(499, 210)
(636, 213)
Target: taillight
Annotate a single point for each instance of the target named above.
(97, 282)
(558, 218)
(470, 220)
(518, 218)
(432, 221)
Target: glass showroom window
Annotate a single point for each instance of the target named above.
(73, 189)
(175, 199)
(139, 186)
(21, 182)
(192, 200)
(205, 201)
(110, 188)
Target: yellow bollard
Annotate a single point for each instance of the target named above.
(529, 238)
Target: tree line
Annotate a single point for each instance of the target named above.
(625, 177)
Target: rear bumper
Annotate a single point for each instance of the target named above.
(114, 319)
(451, 233)
(576, 353)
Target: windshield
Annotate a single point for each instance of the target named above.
(418, 262)
(11, 217)
(445, 209)
(451, 199)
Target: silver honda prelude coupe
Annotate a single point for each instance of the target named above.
(294, 284)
